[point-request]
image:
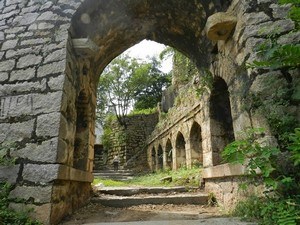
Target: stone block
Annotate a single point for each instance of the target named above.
(53, 68)
(32, 104)
(9, 173)
(56, 83)
(290, 38)
(49, 16)
(21, 75)
(36, 41)
(18, 52)
(45, 152)
(22, 87)
(7, 65)
(29, 60)
(10, 44)
(266, 83)
(39, 212)
(40, 174)
(280, 11)
(256, 18)
(48, 125)
(38, 194)
(3, 76)
(16, 131)
(57, 55)
(25, 19)
(263, 29)
(224, 170)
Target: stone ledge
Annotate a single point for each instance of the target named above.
(224, 170)
(51, 172)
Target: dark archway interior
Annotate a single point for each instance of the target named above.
(220, 112)
(160, 157)
(153, 158)
(180, 150)
(80, 154)
(196, 144)
(169, 153)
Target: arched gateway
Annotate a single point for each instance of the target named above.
(51, 56)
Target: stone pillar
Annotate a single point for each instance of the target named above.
(188, 154)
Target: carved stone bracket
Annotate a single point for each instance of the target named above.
(219, 26)
(85, 47)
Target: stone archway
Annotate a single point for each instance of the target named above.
(50, 53)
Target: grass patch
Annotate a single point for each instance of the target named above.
(180, 177)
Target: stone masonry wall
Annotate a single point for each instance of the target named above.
(130, 142)
(255, 21)
(47, 89)
(38, 107)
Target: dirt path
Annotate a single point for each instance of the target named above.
(96, 213)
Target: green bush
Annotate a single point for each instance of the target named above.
(9, 216)
(269, 211)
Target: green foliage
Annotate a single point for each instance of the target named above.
(274, 55)
(143, 111)
(294, 147)
(5, 157)
(205, 83)
(151, 81)
(279, 171)
(182, 176)
(127, 82)
(249, 151)
(269, 211)
(9, 216)
(183, 68)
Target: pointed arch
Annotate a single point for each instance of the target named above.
(196, 144)
(221, 118)
(169, 154)
(180, 150)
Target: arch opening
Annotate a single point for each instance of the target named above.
(221, 118)
(160, 158)
(196, 144)
(153, 159)
(180, 151)
(169, 154)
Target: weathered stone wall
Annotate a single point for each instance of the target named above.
(47, 86)
(38, 92)
(255, 21)
(130, 142)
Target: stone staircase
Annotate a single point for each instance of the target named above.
(130, 196)
(120, 175)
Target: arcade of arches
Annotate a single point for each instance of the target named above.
(53, 52)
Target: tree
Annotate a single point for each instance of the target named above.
(126, 83)
(154, 81)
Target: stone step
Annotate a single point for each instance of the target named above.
(121, 175)
(198, 198)
(129, 191)
(113, 171)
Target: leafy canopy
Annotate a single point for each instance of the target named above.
(127, 83)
